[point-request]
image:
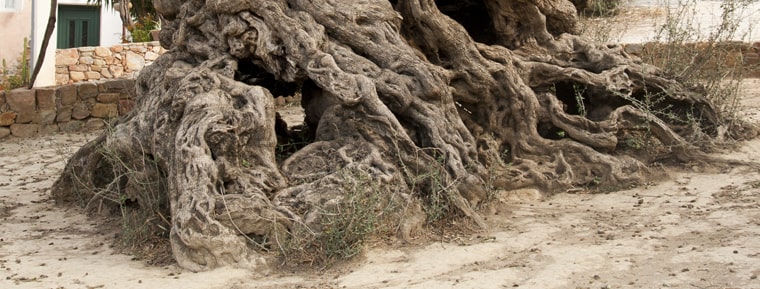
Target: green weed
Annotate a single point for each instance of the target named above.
(367, 208)
(18, 75)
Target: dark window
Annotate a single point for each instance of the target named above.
(72, 30)
(84, 32)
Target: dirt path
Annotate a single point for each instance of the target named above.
(639, 21)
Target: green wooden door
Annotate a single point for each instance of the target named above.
(78, 26)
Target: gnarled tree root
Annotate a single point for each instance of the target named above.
(413, 97)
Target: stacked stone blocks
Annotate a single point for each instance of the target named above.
(84, 64)
(68, 108)
(746, 53)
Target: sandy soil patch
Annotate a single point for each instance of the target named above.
(639, 21)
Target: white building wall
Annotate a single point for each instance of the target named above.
(14, 26)
(110, 34)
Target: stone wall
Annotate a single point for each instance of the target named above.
(83, 64)
(67, 108)
(746, 53)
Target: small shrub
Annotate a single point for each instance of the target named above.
(433, 187)
(597, 8)
(17, 75)
(367, 208)
(601, 25)
(131, 188)
(711, 63)
(141, 30)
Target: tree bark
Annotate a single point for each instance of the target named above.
(45, 41)
(435, 103)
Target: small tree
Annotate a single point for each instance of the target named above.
(137, 16)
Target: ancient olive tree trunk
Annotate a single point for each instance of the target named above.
(432, 104)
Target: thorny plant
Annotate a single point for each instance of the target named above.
(366, 208)
(431, 186)
(136, 192)
(713, 63)
(595, 21)
(17, 75)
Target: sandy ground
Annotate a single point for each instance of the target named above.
(699, 229)
(639, 20)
